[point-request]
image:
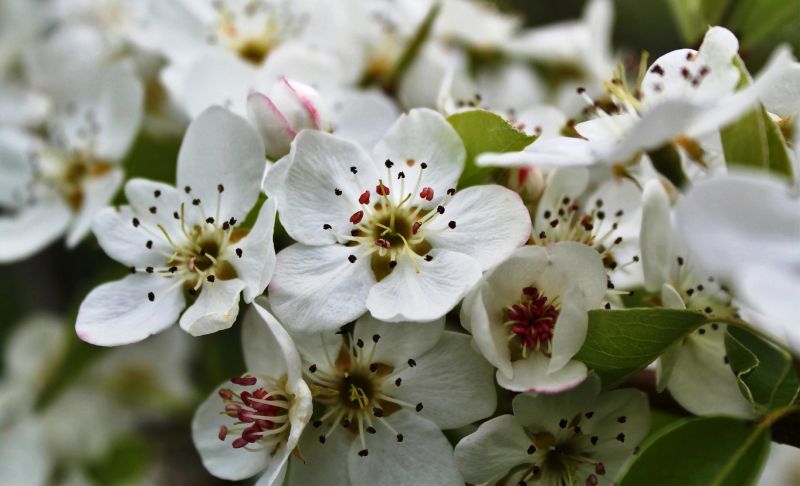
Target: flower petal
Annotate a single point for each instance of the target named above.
(656, 236)
(256, 264)
(267, 347)
(570, 329)
(362, 116)
(493, 450)
(405, 295)
(452, 381)
(126, 241)
(31, 228)
(531, 375)
(215, 309)
(216, 78)
(120, 312)
(317, 166)
(549, 152)
(317, 288)
(424, 457)
(323, 463)
(398, 341)
(490, 223)
(489, 335)
(221, 149)
(219, 457)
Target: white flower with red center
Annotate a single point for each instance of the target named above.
(684, 95)
(186, 242)
(253, 423)
(529, 315)
(696, 370)
(582, 436)
(745, 229)
(385, 393)
(388, 234)
(55, 184)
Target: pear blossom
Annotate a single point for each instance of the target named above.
(582, 436)
(55, 184)
(388, 234)
(186, 242)
(695, 371)
(529, 315)
(252, 424)
(684, 95)
(384, 392)
(754, 221)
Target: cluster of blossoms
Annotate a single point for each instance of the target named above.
(425, 317)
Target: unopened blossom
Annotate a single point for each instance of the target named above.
(582, 436)
(529, 315)
(684, 95)
(745, 229)
(54, 184)
(186, 243)
(252, 424)
(695, 370)
(387, 233)
(384, 393)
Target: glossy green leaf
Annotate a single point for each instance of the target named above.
(755, 141)
(765, 373)
(621, 342)
(755, 19)
(484, 131)
(703, 451)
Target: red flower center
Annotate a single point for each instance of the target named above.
(532, 320)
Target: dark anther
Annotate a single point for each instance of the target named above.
(411, 362)
(354, 170)
(220, 188)
(239, 252)
(149, 244)
(363, 452)
(378, 412)
(392, 263)
(451, 192)
(440, 209)
(210, 220)
(371, 430)
(337, 191)
(153, 210)
(373, 367)
(398, 381)
(531, 449)
(418, 408)
(132, 269)
(317, 423)
(156, 193)
(562, 423)
(388, 164)
(312, 368)
(187, 189)
(360, 343)
(135, 223)
(211, 278)
(321, 439)
(452, 224)
(423, 165)
(151, 296)
(351, 258)
(594, 440)
(399, 437)
(428, 258)
(622, 419)
(621, 437)
(196, 202)
(149, 269)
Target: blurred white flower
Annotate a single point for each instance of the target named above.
(186, 240)
(55, 184)
(582, 436)
(745, 230)
(695, 370)
(252, 424)
(529, 316)
(385, 392)
(403, 244)
(685, 94)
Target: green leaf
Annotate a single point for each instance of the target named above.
(125, 462)
(621, 342)
(755, 19)
(755, 141)
(484, 131)
(702, 451)
(694, 16)
(765, 373)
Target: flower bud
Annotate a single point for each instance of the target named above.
(289, 108)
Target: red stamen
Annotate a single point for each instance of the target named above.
(382, 190)
(533, 319)
(364, 198)
(426, 193)
(357, 217)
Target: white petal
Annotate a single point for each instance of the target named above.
(701, 381)
(732, 107)
(362, 116)
(491, 222)
(784, 97)
(452, 381)
(424, 456)
(126, 242)
(493, 450)
(118, 108)
(405, 295)
(215, 309)
(275, 128)
(548, 152)
(561, 183)
(399, 341)
(120, 312)
(570, 329)
(304, 62)
(490, 335)
(220, 148)
(22, 107)
(423, 135)
(656, 127)
(266, 345)
(324, 463)
(740, 218)
(143, 194)
(33, 348)
(656, 236)
(97, 194)
(317, 288)
(542, 412)
(217, 78)
(257, 263)
(772, 293)
(16, 169)
(219, 457)
(531, 375)
(318, 165)
(31, 228)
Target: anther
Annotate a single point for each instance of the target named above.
(428, 258)
(223, 432)
(354, 170)
(594, 440)
(398, 381)
(356, 217)
(360, 343)
(187, 189)
(426, 193)
(388, 164)
(401, 175)
(399, 437)
(621, 437)
(562, 423)
(153, 210)
(239, 252)
(151, 296)
(321, 439)
(371, 430)
(418, 408)
(220, 188)
(377, 412)
(622, 419)
(132, 269)
(452, 224)
(373, 367)
(156, 193)
(451, 192)
(363, 453)
(210, 220)
(149, 269)
(337, 191)
(135, 223)
(412, 363)
(312, 368)
(211, 278)
(382, 190)
(376, 338)
(317, 423)
(423, 165)
(176, 215)
(364, 198)
(531, 449)
(351, 258)
(149, 244)
(440, 209)
(196, 202)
